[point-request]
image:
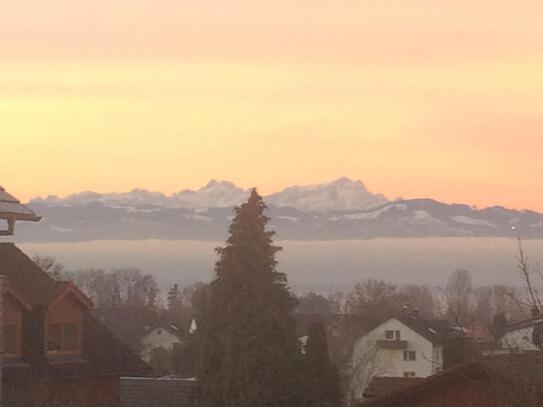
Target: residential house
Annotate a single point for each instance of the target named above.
(507, 380)
(525, 335)
(164, 337)
(404, 346)
(53, 351)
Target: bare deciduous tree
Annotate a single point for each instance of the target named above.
(368, 361)
(51, 266)
(525, 271)
(459, 297)
(374, 301)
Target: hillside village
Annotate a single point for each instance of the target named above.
(92, 337)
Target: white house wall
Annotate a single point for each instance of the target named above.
(390, 363)
(520, 339)
(157, 338)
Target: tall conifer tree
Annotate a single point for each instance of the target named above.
(250, 355)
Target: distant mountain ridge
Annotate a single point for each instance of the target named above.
(342, 194)
(342, 209)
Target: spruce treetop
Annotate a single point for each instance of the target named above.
(249, 248)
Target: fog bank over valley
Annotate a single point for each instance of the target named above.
(311, 265)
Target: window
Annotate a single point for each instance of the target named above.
(409, 374)
(54, 337)
(62, 337)
(392, 335)
(70, 337)
(409, 355)
(8, 339)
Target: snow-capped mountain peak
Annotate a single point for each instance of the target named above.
(341, 194)
(216, 194)
(136, 197)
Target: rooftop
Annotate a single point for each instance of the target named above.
(11, 210)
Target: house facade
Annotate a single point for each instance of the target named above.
(54, 352)
(523, 336)
(162, 337)
(405, 346)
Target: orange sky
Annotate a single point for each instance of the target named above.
(422, 98)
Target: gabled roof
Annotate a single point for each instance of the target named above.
(171, 329)
(434, 330)
(32, 282)
(67, 287)
(8, 289)
(524, 324)
(11, 207)
(103, 352)
(521, 370)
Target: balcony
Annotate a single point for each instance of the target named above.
(392, 344)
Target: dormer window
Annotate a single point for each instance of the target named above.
(11, 340)
(62, 337)
(64, 326)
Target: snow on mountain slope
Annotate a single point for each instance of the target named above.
(136, 197)
(342, 194)
(342, 209)
(405, 218)
(216, 194)
(471, 221)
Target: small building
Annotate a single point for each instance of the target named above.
(525, 335)
(166, 337)
(405, 346)
(507, 380)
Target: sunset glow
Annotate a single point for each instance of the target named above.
(432, 99)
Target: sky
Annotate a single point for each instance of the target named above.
(417, 98)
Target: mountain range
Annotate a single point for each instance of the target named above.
(342, 209)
